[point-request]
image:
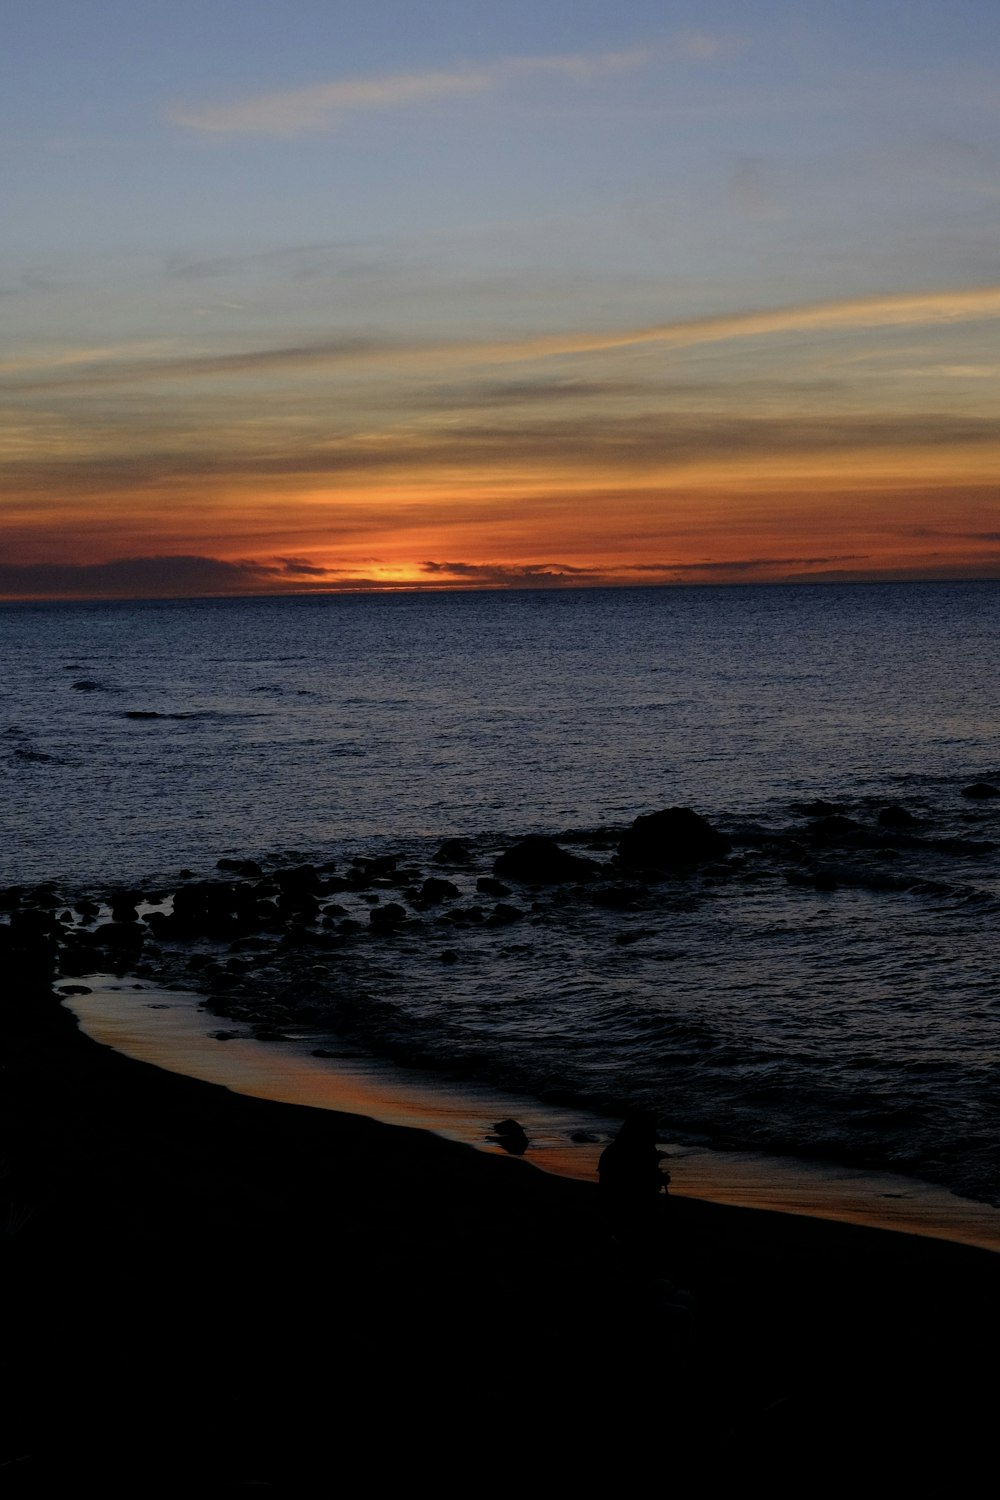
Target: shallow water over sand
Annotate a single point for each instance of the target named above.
(167, 1028)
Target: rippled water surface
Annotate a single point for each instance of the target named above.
(858, 1020)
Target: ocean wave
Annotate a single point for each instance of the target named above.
(194, 713)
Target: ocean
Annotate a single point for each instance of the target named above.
(827, 991)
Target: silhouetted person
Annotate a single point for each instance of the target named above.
(511, 1136)
(633, 1183)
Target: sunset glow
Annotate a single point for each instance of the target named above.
(520, 301)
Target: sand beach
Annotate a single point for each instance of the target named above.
(209, 1291)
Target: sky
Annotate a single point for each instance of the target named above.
(444, 293)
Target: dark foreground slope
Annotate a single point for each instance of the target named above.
(206, 1291)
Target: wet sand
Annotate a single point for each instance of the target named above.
(169, 1028)
(211, 1291)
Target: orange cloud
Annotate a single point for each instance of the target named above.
(547, 476)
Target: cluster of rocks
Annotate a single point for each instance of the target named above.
(222, 932)
(299, 906)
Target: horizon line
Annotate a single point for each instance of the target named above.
(464, 587)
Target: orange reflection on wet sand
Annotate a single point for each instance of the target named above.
(167, 1029)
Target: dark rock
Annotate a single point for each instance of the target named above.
(86, 685)
(448, 956)
(540, 861)
(618, 897)
(839, 832)
(676, 836)
(981, 791)
(975, 847)
(366, 869)
(195, 901)
(490, 887)
(297, 904)
(123, 905)
(583, 1137)
(78, 960)
(835, 824)
(436, 889)
(30, 924)
(24, 752)
(43, 895)
(816, 809)
(262, 946)
(27, 963)
(386, 918)
(833, 829)
(119, 935)
(160, 924)
(503, 914)
(301, 879)
(895, 816)
(452, 852)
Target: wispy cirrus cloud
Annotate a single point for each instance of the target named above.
(651, 443)
(706, 46)
(901, 310)
(88, 355)
(321, 106)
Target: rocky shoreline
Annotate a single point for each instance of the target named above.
(257, 917)
(219, 1292)
(295, 945)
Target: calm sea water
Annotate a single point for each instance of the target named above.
(860, 1023)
